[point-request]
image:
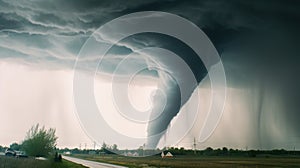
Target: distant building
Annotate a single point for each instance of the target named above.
(168, 155)
(135, 154)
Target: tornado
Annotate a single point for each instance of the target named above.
(176, 61)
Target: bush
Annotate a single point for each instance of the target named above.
(39, 141)
(57, 157)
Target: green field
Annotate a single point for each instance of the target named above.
(197, 161)
(11, 162)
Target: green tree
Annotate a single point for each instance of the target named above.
(114, 147)
(39, 141)
(1, 148)
(104, 146)
(15, 146)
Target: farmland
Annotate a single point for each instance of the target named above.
(197, 161)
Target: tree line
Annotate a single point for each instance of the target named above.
(41, 142)
(38, 142)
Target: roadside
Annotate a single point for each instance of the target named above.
(13, 162)
(91, 164)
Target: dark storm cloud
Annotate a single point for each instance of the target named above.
(63, 24)
(223, 21)
(70, 15)
(259, 45)
(257, 40)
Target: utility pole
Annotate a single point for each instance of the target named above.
(80, 146)
(94, 145)
(85, 146)
(144, 145)
(194, 145)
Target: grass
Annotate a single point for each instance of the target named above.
(197, 161)
(11, 162)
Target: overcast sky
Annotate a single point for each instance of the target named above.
(258, 42)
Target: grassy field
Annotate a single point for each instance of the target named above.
(196, 161)
(11, 162)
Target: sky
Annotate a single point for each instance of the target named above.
(258, 43)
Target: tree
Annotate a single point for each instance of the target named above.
(15, 146)
(208, 151)
(114, 147)
(39, 141)
(104, 146)
(1, 148)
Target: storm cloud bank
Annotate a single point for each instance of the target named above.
(258, 42)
